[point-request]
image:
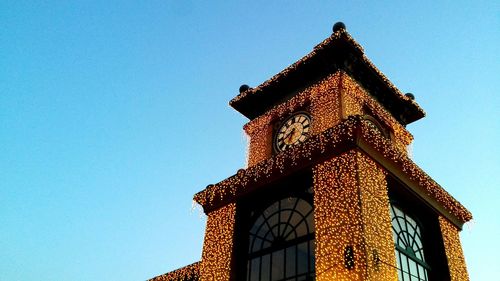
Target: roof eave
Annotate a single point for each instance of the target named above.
(338, 52)
(349, 134)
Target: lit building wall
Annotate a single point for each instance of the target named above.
(320, 99)
(329, 101)
(376, 219)
(337, 216)
(356, 101)
(353, 232)
(352, 212)
(453, 250)
(216, 259)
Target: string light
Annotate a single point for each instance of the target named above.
(323, 100)
(352, 215)
(331, 141)
(350, 190)
(342, 33)
(358, 209)
(453, 249)
(218, 244)
(190, 272)
(276, 78)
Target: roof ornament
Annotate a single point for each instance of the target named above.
(243, 88)
(410, 96)
(338, 26)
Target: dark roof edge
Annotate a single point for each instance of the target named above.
(340, 36)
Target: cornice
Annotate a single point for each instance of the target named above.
(352, 133)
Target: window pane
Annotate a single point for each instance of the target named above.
(276, 252)
(410, 221)
(407, 236)
(269, 236)
(285, 215)
(259, 226)
(295, 219)
(273, 221)
(302, 229)
(402, 223)
(266, 269)
(254, 272)
(411, 231)
(290, 261)
(275, 231)
(266, 245)
(302, 258)
(303, 207)
(289, 233)
(278, 265)
(413, 271)
(257, 244)
(404, 264)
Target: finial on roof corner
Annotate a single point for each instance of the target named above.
(243, 88)
(410, 96)
(338, 26)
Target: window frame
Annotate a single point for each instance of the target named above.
(279, 244)
(298, 185)
(408, 254)
(426, 217)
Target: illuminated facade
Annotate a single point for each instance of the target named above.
(329, 192)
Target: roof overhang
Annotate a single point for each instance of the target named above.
(353, 133)
(338, 52)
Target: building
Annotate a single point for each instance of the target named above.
(330, 192)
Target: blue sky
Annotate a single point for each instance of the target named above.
(114, 113)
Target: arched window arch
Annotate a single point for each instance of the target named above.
(409, 249)
(372, 121)
(281, 242)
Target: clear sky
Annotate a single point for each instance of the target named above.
(114, 113)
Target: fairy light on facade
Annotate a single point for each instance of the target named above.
(190, 272)
(355, 143)
(454, 253)
(218, 244)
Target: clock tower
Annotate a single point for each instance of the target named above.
(330, 192)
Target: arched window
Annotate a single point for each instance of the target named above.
(377, 125)
(409, 248)
(281, 242)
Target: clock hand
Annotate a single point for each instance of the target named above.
(289, 134)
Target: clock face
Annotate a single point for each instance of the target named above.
(294, 130)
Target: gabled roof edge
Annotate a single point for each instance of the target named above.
(338, 37)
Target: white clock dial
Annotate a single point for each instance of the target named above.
(294, 130)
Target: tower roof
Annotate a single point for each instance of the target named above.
(337, 52)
